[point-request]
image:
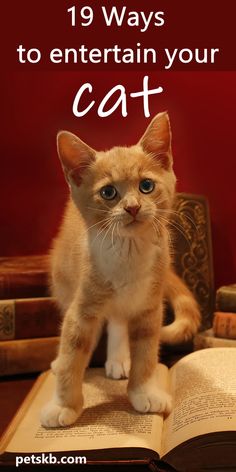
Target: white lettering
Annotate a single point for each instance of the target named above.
(114, 15)
(146, 20)
(159, 17)
(33, 55)
(145, 94)
(75, 110)
(170, 58)
(201, 56)
(121, 100)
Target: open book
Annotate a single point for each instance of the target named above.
(199, 434)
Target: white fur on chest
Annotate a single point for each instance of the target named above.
(127, 264)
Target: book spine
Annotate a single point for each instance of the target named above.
(16, 285)
(27, 355)
(224, 325)
(226, 299)
(29, 318)
(24, 276)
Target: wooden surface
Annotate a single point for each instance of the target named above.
(12, 392)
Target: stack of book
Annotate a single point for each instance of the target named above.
(29, 317)
(223, 331)
(224, 324)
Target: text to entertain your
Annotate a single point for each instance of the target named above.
(137, 55)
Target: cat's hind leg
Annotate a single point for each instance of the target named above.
(118, 356)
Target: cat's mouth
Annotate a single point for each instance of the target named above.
(134, 222)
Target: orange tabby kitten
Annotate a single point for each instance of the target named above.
(111, 261)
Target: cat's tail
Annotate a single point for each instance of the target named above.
(186, 311)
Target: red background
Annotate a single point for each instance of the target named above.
(37, 102)
(202, 113)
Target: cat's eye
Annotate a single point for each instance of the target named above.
(108, 192)
(146, 186)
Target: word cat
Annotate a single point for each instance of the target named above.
(111, 261)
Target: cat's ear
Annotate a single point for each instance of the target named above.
(157, 140)
(75, 156)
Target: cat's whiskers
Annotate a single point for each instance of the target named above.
(97, 209)
(118, 229)
(106, 234)
(156, 229)
(177, 227)
(164, 227)
(98, 223)
(159, 228)
(181, 215)
(159, 202)
(112, 233)
(174, 224)
(103, 228)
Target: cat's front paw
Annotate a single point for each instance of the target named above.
(54, 415)
(117, 369)
(156, 401)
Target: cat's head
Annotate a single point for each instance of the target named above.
(125, 190)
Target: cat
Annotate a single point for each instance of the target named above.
(111, 261)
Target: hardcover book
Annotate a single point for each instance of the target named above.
(199, 433)
(207, 339)
(226, 298)
(24, 276)
(29, 318)
(23, 356)
(224, 325)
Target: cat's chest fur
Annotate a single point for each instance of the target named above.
(128, 265)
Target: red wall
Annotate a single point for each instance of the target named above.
(35, 105)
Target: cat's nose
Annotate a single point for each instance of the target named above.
(133, 210)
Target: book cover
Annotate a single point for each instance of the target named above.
(22, 356)
(29, 318)
(224, 325)
(24, 276)
(226, 298)
(207, 339)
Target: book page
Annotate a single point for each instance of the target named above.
(203, 385)
(108, 419)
